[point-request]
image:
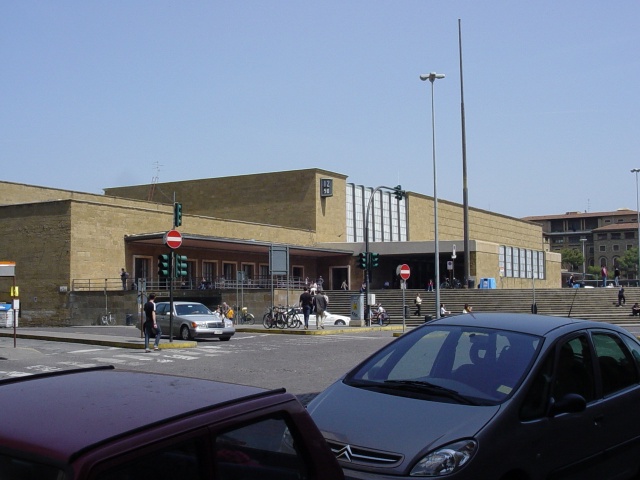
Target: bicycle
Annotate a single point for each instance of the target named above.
(107, 319)
(245, 318)
(381, 318)
(292, 317)
(273, 317)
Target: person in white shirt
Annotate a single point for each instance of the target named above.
(443, 311)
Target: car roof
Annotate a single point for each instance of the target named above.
(521, 322)
(59, 414)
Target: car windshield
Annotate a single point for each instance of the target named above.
(192, 309)
(469, 365)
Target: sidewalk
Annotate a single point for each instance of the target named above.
(129, 336)
(117, 336)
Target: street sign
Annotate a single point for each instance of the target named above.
(173, 239)
(405, 273)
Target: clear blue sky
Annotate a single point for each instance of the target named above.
(98, 94)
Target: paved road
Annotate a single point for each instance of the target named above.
(303, 364)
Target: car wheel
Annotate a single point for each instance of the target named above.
(225, 339)
(340, 322)
(184, 333)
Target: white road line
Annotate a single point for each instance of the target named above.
(89, 350)
(77, 364)
(182, 357)
(15, 374)
(136, 357)
(111, 360)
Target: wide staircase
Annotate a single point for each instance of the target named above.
(590, 303)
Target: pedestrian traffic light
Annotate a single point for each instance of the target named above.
(399, 193)
(374, 259)
(164, 265)
(177, 214)
(181, 266)
(362, 260)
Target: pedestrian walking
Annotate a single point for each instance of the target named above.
(320, 301)
(151, 327)
(621, 298)
(320, 283)
(418, 304)
(305, 303)
(344, 285)
(603, 272)
(616, 275)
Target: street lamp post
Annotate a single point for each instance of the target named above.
(399, 195)
(583, 240)
(636, 170)
(432, 78)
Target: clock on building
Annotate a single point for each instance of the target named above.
(326, 187)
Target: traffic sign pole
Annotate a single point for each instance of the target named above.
(405, 272)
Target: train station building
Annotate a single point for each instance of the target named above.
(66, 242)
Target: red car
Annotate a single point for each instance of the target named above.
(106, 424)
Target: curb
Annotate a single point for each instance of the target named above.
(102, 340)
(313, 331)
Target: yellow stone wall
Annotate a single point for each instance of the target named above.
(483, 225)
(290, 199)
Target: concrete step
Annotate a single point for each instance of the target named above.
(591, 303)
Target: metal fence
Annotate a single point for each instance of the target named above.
(189, 283)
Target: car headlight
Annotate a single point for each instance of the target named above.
(228, 323)
(445, 460)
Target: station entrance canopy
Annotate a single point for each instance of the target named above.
(234, 245)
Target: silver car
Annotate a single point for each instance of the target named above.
(490, 396)
(193, 320)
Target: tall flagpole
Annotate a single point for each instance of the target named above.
(465, 192)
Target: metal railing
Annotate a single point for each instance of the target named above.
(189, 283)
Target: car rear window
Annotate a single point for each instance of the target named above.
(263, 449)
(18, 469)
(192, 309)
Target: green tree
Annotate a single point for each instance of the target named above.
(572, 258)
(629, 261)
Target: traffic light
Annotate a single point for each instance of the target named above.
(374, 259)
(362, 260)
(181, 266)
(177, 214)
(164, 265)
(399, 193)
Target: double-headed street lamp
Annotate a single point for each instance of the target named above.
(636, 170)
(432, 77)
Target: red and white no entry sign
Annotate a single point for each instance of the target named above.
(173, 239)
(405, 273)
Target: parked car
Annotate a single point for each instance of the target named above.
(193, 320)
(330, 319)
(104, 424)
(490, 396)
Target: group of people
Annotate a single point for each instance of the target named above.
(443, 310)
(313, 300)
(316, 285)
(616, 275)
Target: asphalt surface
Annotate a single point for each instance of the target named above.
(130, 337)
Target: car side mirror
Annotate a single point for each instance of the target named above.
(570, 403)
